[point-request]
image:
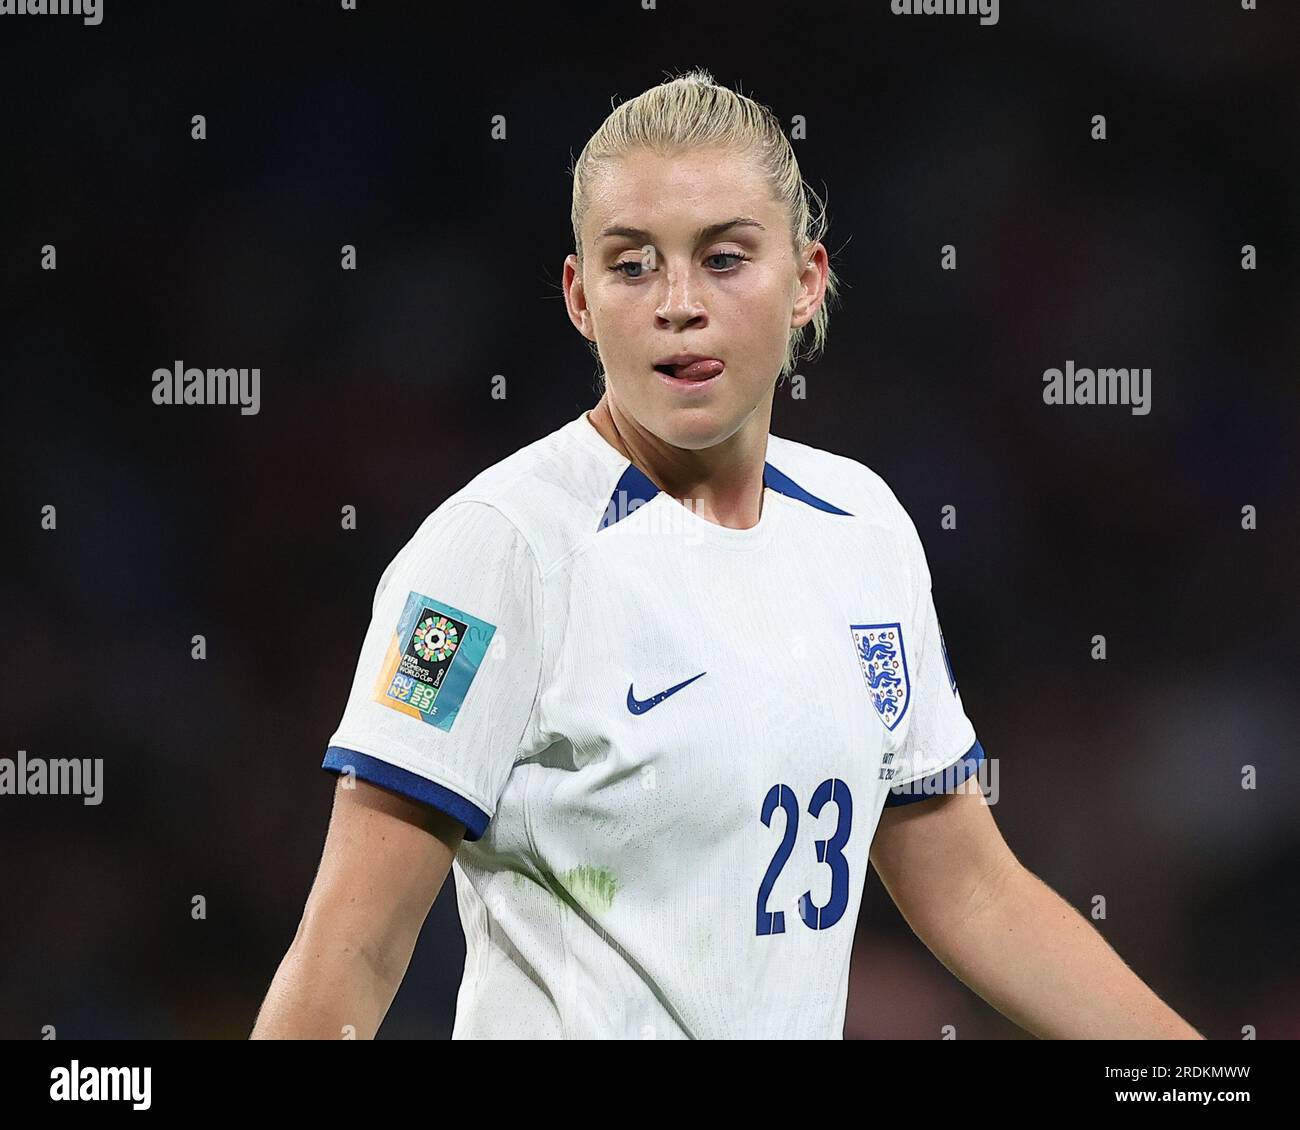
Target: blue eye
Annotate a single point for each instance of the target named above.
(618, 267)
(729, 255)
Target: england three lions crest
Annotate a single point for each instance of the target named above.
(884, 666)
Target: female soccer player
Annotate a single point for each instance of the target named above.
(658, 686)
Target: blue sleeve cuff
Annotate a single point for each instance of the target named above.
(937, 784)
(409, 784)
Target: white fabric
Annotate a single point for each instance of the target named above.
(616, 889)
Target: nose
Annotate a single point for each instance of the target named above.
(680, 307)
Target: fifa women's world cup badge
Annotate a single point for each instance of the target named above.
(884, 666)
(432, 658)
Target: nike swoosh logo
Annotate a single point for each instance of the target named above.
(641, 705)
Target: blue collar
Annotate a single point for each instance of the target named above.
(636, 490)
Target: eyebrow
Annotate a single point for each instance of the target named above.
(705, 233)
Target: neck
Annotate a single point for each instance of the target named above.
(722, 483)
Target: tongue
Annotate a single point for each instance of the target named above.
(699, 370)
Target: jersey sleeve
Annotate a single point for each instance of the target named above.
(939, 749)
(450, 668)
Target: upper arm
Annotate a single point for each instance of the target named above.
(386, 858)
(440, 702)
(937, 856)
(446, 687)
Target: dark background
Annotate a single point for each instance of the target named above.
(325, 127)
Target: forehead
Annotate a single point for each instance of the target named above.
(685, 188)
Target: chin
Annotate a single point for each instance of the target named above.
(696, 429)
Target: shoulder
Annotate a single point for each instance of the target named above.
(549, 496)
(841, 481)
(890, 535)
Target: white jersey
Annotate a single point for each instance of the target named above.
(670, 742)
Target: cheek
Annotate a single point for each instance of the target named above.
(615, 316)
(764, 310)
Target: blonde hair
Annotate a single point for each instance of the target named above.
(692, 110)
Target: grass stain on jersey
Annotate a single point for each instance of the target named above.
(592, 888)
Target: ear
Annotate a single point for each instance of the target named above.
(575, 296)
(812, 285)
